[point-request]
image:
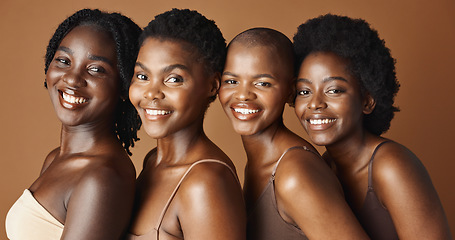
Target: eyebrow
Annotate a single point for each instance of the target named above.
(100, 58)
(166, 69)
(327, 79)
(229, 73)
(263, 75)
(65, 49)
(91, 57)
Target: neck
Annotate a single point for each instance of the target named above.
(83, 138)
(349, 154)
(262, 147)
(179, 147)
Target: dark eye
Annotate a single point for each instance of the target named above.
(230, 81)
(96, 69)
(303, 93)
(335, 91)
(141, 77)
(62, 61)
(174, 80)
(263, 84)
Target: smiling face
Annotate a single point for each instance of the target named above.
(255, 87)
(170, 87)
(329, 102)
(82, 79)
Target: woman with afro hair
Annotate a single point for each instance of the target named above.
(188, 188)
(86, 186)
(345, 94)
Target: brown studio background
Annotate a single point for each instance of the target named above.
(420, 34)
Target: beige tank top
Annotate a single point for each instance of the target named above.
(154, 233)
(27, 220)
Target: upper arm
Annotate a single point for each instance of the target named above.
(212, 204)
(308, 193)
(99, 206)
(405, 189)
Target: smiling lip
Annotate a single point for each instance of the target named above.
(155, 114)
(320, 123)
(70, 100)
(245, 112)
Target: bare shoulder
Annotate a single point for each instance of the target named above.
(101, 199)
(302, 169)
(211, 196)
(394, 163)
(404, 187)
(49, 159)
(210, 175)
(108, 169)
(149, 157)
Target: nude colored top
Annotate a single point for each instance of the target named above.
(154, 233)
(264, 219)
(373, 216)
(27, 220)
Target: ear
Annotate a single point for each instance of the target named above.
(215, 84)
(291, 97)
(368, 104)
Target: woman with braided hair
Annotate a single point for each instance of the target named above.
(86, 186)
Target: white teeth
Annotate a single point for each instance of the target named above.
(157, 112)
(321, 121)
(73, 99)
(246, 111)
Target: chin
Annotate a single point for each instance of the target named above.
(320, 140)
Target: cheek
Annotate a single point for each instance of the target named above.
(134, 94)
(224, 95)
(299, 108)
(52, 75)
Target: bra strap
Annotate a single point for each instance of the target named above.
(370, 165)
(178, 186)
(282, 155)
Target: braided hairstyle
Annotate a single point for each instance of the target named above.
(193, 28)
(369, 60)
(125, 34)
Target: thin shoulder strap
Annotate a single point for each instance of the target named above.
(160, 220)
(370, 165)
(282, 155)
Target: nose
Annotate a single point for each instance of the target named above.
(317, 102)
(153, 91)
(74, 79)
(244, 92)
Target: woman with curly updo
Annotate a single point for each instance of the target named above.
(345, 94)
(188, 188)
(86, 186)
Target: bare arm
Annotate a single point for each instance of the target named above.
(405, 189)
(309, 194)
(99, 206)
(212, 204)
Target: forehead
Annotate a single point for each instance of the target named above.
(320, 66)
(165, 50)
(325, 63)
(257, 58)
(91, 39)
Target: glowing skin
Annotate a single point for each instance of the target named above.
(83, 78)
(168, 89)
(328, 103)
(253, 92)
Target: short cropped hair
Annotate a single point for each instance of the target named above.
(190, 27)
